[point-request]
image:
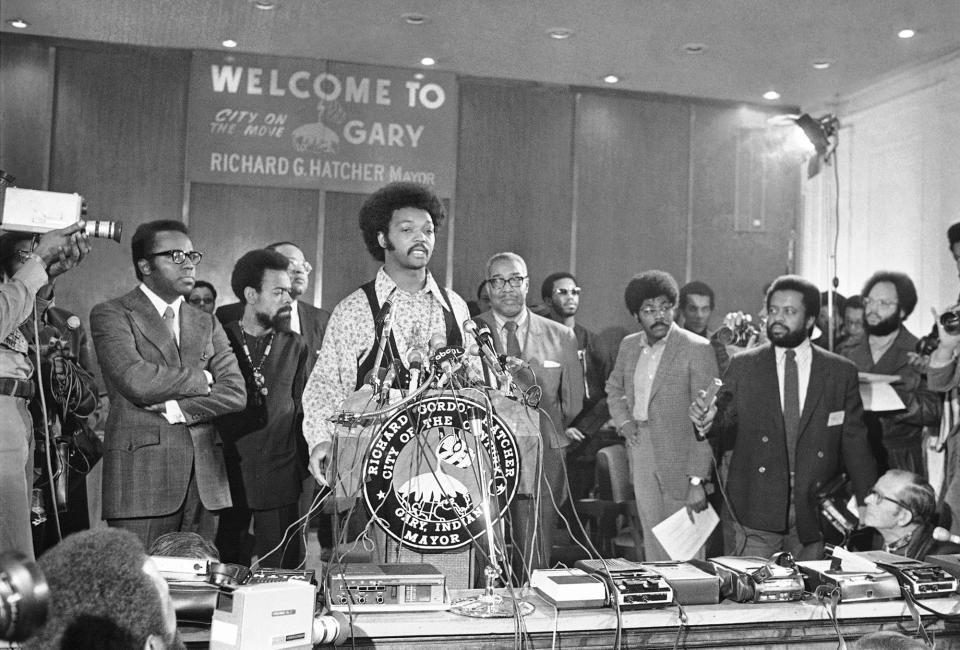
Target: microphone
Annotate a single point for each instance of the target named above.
(385, 318)
(73, 323)
(415, 363)
(943, 535)
(482, 334)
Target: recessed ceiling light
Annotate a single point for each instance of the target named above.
(694, 48)
(414, 19)
(418, 76)
(18, 23)
(264, 5)
(559, 33)
(611, 79)
(822, 64)
(428, 60)
(906, 33)
(771, 95)
(229, 43)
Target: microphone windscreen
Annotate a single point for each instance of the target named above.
(469, 326)
(437, 341)
(941, 534)
(73, 323)
(415, 357)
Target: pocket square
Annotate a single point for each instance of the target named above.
(547, 363)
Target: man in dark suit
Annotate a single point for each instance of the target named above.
(792, 416)
(266, 463)
(169, 372)
(550, 351)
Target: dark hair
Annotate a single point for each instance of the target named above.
(917, 495)
(203, 284)
(647, 285)
(853, 302)
(183, 544)
(696, 288)
(249, 270)
(906, 291)
(145, 236)
(809, 291)
(546, 289)
(839, 300)
(378, 209)
(953, 234)
(95, 576)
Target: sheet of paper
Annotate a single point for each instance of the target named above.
(879, 396)
(680, 537)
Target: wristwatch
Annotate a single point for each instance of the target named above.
(696, 480)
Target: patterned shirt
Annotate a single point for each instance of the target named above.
(350, 336)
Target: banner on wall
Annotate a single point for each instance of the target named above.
(311, 124)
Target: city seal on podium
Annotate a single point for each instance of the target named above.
(423, 468)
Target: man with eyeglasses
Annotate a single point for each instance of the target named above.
(791, 414)
(170, 373)
(897, 437)
(902, 507)
(657, 374)
(549, 350)
(203, 296)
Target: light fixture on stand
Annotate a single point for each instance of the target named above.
(822, 133)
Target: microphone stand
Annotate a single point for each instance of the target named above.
(489, 604)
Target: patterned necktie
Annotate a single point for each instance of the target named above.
(168, 316)
(791, 403)
(513, 343)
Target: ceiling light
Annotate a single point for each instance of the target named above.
(414, 19)
(18, 23)
(559, 33)
(264, 5)
(229, 43)
(822, 64)
(694, 48)
(906, 33)
(428, 60)
(418, 76)
(611, 79)
(771, 95)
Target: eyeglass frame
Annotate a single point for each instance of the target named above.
(200, 300)
(173, 254)
(663, 310)
(873, 492)
(498, 284)
(563, 291)
(304, 266)
(879, 302)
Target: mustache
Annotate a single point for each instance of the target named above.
(415, 247)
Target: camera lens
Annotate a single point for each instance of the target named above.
(105, 230)
(24, 595)
(950, 321)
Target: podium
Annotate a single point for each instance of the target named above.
(415, 471)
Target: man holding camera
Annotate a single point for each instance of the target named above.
(55, 252)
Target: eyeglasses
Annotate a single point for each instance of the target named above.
(561, 291)
(662, 310)
(304, 266)
(877, 495)
(879, 304)
(178, 256)
(499, 283)
(202, 301)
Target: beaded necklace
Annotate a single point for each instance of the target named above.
(258, 378)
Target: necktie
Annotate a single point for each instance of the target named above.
(791, 403)
(168, 322)
(513, 343)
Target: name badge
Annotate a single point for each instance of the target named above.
(835, 418)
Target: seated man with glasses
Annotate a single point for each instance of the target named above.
(657, 375)
(896, 437)
(169, 372)
(902, 506)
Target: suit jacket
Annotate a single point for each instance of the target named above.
(313, 325)
(147, 462)
(832, 437)
(899, 428)
(688, 364)
(551, 350)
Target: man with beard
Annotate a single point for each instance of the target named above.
(264, 463)
(169, 372)
(792, 416)
(399, 223)
(889, 297)
(658, 373)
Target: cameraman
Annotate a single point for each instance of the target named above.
(55, 252)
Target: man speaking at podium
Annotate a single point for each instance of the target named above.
(550, 351)
(399, 224)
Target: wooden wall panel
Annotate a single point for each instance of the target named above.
(118, 139)
(632, 161)
(26, 86)
(736, 264)
(226, 221)
(513, 180)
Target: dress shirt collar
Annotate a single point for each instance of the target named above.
(295, 318)
(804, 351)
(160, 304)
(880, 344)
(520, 320)
(662, 342)
(384, 286)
